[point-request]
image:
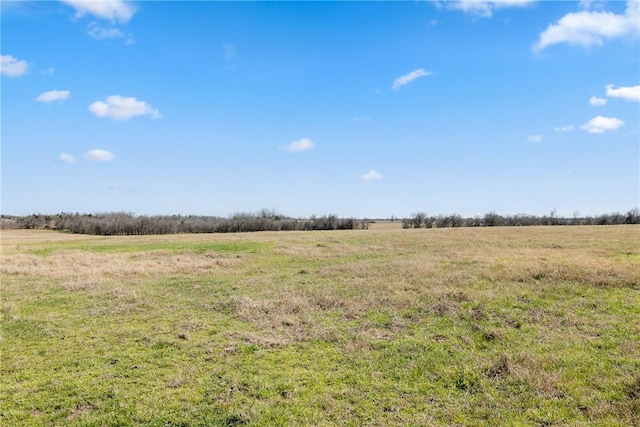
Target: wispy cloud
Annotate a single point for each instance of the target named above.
(362, 119)
(409, 77)
(123, 188)
(485, 8)
(589, 28)
(123, 108)
(12, 67)
(597, 102)
(111, 10)
(101, 33)
(592, 4)
(66, 158)
(567, 128)
(99, 155)
(629, 93)
(229, 51)
(372, 175)
(534, 139)
(48, 71)
(562, 174)
(602, 124)
(53, 95)
(300, 145)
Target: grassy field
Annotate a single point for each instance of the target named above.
(491, 326)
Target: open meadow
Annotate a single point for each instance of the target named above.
(378, 327)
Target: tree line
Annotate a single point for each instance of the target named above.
(124, 223)
(492, 219)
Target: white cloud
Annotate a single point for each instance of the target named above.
(101, 33)
(588, 28)
(66, 158)
(485, 8)
(567, 128)
(602, 124)
(597, 102)
(409, 77)
(99, 155)
(592, 4)
(535, 139)
(53, 95)
(372, 175)
(630, 93)
(123, 108)
(111, 10)
(12, 67)
(300, 145)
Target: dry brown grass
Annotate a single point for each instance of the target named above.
(12, 239)
(88, 266)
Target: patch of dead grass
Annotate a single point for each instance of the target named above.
(81, 410)
(83, 269)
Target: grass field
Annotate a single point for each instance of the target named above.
(469, 326)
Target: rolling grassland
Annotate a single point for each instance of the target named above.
(378, 327)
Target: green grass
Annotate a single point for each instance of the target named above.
(526, 326)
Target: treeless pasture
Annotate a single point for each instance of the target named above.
(482, 326)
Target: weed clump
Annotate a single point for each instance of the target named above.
(500, 368)
(466, 380)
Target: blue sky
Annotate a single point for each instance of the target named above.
(365, 109)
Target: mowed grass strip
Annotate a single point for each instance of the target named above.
(537, 325)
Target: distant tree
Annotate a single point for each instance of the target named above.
(456, 220)
(440, 221)
(476, 221)
(492, 219)
(575, 220)
(633, 216)
(417, 219)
